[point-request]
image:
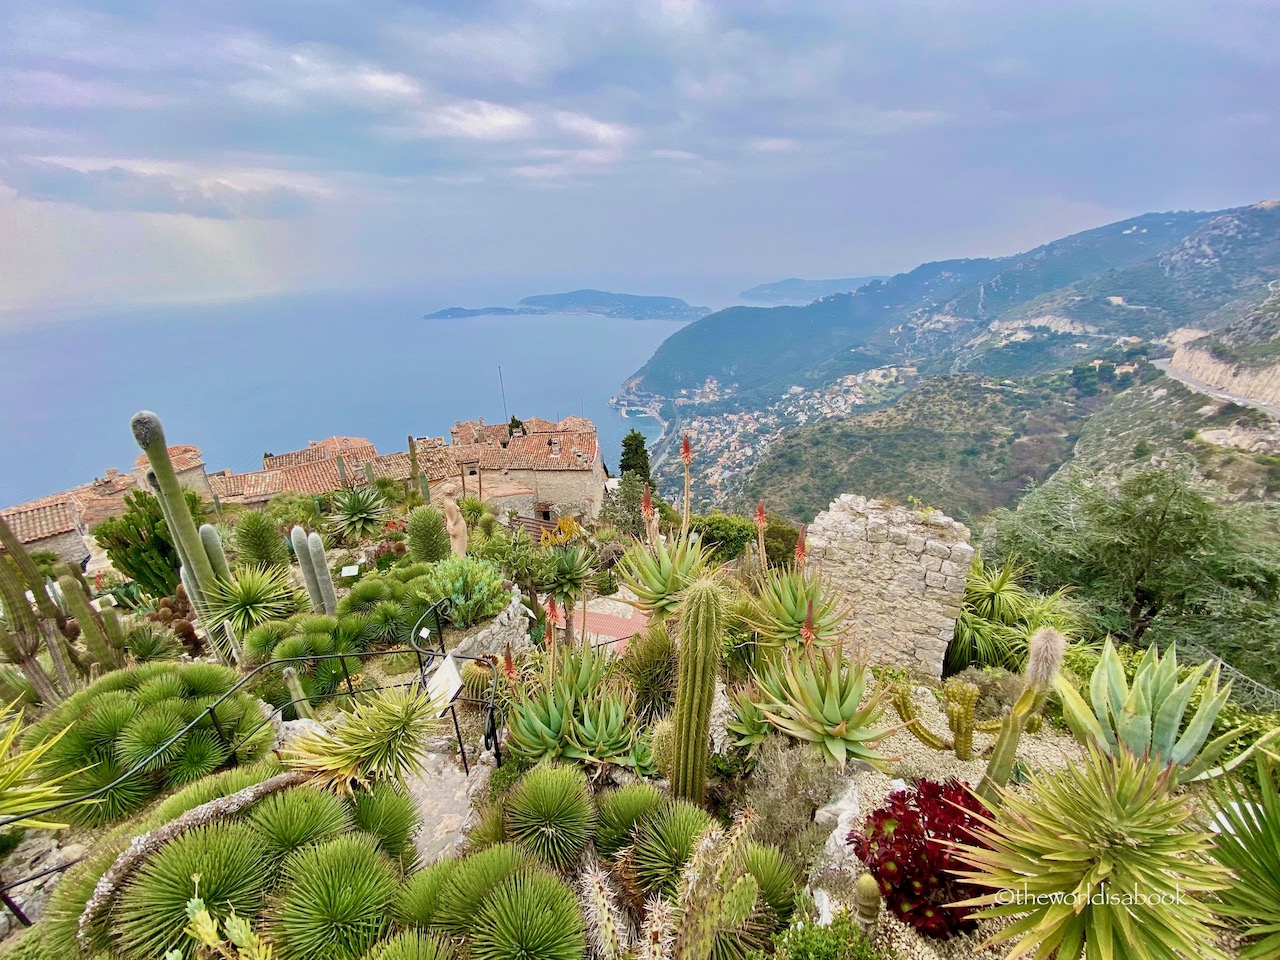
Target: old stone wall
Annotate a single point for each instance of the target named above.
(511, 626)
(571, 491)
(900, 572)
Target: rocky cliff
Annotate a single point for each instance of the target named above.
(1242, 358)
(1258, 383)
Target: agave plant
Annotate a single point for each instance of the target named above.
(749, 725)
(382, 738)
(538, 723)
(1146, 719)
(251, 596)
(358, 514)
(821, 698)
(1103, 859)
(793, 607)
(602, 731)
(656, 575)
(1248, 844)
(549, 815)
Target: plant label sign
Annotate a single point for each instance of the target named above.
(351, 571)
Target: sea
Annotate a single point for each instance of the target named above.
(266, 376)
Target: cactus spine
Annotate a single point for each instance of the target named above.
(323, 575)
(301, 705)
(92, 631)
(701, 632)
(610, 930)
(867, 903)
(149, 433)
(212, 544)
(1044, 660)
(302, 550)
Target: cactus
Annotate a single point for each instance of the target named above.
(149, 433)
(369, 476)
(959, 698)
(92, 631)
(419, 477)
(867, 903)
(323, 575)
(701, 638)
(1044, 660)
(301, 704)
(28, 572)
(342, 472)
(21, 636)
(212, 544)
(302, 550)
(610, 930)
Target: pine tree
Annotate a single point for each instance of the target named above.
(635, 456)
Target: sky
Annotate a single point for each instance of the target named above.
(155, 152)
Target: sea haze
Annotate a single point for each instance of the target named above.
(241, 379)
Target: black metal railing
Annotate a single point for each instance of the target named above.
(427, 657)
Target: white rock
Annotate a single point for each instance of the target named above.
(822, 900)
(291, 730)
(845, 803)
(721, 715)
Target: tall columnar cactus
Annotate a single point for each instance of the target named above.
(369, 476)
(701, 635)
(149, 433)
(342, 472)
(92, 631)
(21, 637)
(1045, 650)
(324, 576)
(301, 704)
(302, 550)
(419, 477)
(28, 571)
(212, 544)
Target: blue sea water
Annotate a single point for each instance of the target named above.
(245, 378)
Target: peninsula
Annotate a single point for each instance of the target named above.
(623, 306)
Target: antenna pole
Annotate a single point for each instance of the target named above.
(503, 387)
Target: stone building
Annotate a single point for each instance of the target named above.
(900, 573)
(188, 464)
(54, 527)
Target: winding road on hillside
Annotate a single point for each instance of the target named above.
(1211, 391)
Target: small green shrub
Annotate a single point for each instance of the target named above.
(549, 815)
(469, 589)
(533, 915)
(843, 939)
(336, 903)
(152, 909)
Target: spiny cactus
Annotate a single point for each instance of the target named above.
(1044, 659)
(342, 472)
(701, 637)
(212, 544)
(302, 550)
(608, 926)
(959, 700)
(323, 575)
(867, 903)
(21, 637)
(301, 703)
(28, 572)
(92, 631)
(369, 477)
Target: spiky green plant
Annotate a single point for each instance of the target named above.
(651, 666)
(469, 885)
(416, 902)
(777, 879)
(254, 595)
(386, 812)
(657, 574)
(412, 945)
(538, 723)
(793, 606)
(25, 787)
(549, 815)
(821, 697)
(152, 641)
(664, 844)
(1071, 855)
(1248, 845)
(426, 534)
(258, 541)
(364, 595)
(381, 738)
(151, 913)
(701, 638)
(749, 725)
(298, 818)
(533, 915)
(336, 902)
(489, 829)
(260, 642)
(603, 730)
(468, 589)
(1147, 718)
(621, 812)
(357, 515)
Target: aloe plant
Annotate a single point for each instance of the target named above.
(657, 575)
(1148, 718)
(822, 697)
(749, 725)
(794, 607)
(538, 723)
(602, 731)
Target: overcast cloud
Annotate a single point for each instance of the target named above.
(169, 151)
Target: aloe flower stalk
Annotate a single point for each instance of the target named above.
(762, 521)
(686, 458)
(801, 555)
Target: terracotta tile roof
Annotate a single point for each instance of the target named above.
(565, 450)
(33, 523)
(184, 457)
(605, 626)
(477, 431)
(352, 449)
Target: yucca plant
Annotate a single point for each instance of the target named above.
(1146, 719)
(533, 915)
(822, 697)
(387, 813)
(259, 542)
(620, 813)
(470, 883)
(489, 829)
(152, 641)
(336, 902)
(260, 642)
(151, 913)
(416, 902)
(25, 786)
(793, 606)
(381, 738)
(253, 595)
(357, 515)
(412, 945)
(664, 844)
(1248, 844)
(549, 815)
(298, 818)
(657, 574)
(1102, 859)
(776, 878)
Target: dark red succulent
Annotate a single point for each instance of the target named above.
(908, 846)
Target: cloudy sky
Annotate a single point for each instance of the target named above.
(157, 151)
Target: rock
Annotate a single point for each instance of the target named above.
(721, 715)
(847, 802)
(291, 730)
(822, 901)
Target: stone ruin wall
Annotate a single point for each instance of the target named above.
(900, 573)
